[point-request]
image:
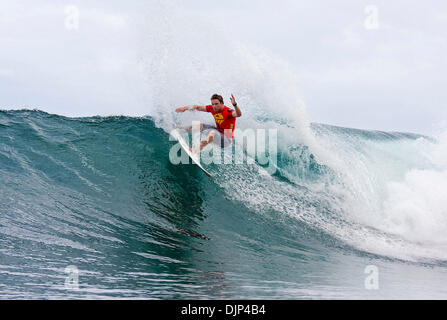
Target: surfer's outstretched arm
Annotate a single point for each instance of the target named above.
(192, 108)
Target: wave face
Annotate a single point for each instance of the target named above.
(100, 194)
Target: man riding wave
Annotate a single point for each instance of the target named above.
(224, 117)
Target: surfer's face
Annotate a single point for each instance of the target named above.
(217, 105)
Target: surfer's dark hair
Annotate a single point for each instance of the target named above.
(217, 97)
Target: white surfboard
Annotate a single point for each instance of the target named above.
(185, 147)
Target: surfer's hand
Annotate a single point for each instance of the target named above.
(181, 109)
(233, 100)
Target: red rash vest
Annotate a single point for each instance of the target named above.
(224, 120)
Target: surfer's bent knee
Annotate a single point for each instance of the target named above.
(211, 136)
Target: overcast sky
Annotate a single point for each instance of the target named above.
(363, 64)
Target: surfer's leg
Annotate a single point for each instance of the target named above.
(205, 142)
(208, 140)
(222, 140)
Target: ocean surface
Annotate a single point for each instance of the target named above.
(92, 208)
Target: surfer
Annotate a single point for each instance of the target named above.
(224, 117)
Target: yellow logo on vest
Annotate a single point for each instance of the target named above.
(218, 117)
